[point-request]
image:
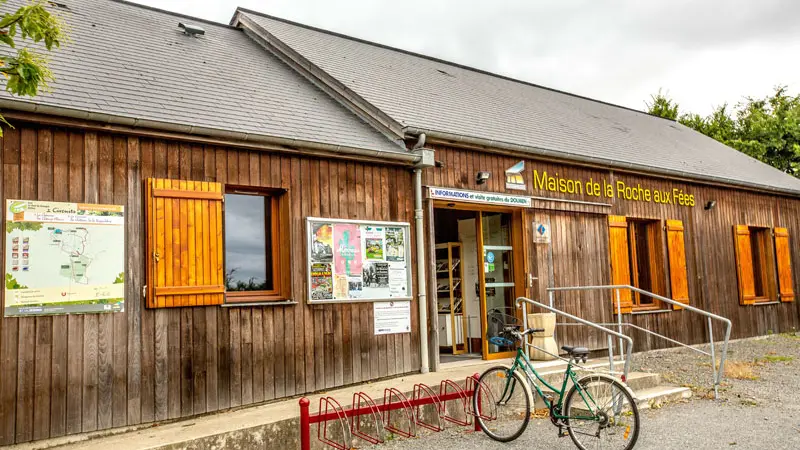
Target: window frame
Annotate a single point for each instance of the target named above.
(657, 264)
(762, 237)
(275, 199)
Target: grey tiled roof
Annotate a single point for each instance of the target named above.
(434, 95)
(132, 61)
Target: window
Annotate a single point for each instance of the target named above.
(207, 245)
(253, 254)
(758, 239)
(646, 261)
(638, 258)
(248, 243)
(763, 265)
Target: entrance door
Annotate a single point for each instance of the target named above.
(497, 278)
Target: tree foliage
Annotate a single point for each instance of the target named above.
(25, 69)
(767, 129)
(662, 106)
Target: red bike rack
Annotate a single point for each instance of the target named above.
(429, 398)
(451, 387)
(393, 400)
(341, 418)
(360, 398)
(474, 385)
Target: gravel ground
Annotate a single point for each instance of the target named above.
(761, 413)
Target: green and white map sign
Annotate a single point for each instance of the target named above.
(63, 258)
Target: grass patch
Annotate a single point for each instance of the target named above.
(776, 358)
(741, 370)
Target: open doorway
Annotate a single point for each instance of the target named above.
(457, 285)
(475, 281)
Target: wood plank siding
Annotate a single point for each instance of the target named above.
(579, 252)
(70, 374)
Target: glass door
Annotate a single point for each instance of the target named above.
(496, 279)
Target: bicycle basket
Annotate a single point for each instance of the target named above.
(497, 322)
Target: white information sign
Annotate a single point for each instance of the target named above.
(488, 198)
(64, 258)
(392, 317)
(541, 233)
(350, 260)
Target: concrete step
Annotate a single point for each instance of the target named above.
(636, 381)
(659, 395)
(646, 387)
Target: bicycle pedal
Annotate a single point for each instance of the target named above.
(561, 432)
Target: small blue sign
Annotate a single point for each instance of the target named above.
(490, 257)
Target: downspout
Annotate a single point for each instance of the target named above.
(422, 301)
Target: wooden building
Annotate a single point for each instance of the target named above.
(197, 135)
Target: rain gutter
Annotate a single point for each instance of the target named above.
(219, 133)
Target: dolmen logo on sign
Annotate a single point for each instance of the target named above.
(491, 198)
(514, 178)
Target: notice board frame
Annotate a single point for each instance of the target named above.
(405, 226)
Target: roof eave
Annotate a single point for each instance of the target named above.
(522, 150)
(217, 133)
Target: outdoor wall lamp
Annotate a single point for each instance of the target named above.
(710, 205)
(482, 177)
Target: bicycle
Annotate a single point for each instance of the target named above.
(598, 411)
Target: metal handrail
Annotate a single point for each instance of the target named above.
(717, 373)
(523, 301)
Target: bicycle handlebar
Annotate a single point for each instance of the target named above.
(514, 331)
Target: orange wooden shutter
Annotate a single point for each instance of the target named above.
(744, 265)
(620, 261)
(782, 254)
(184, 243)
(676, 249)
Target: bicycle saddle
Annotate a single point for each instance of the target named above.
(576, 352)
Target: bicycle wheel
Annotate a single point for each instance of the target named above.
(602, 414)
(505, 410)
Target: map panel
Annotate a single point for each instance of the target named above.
(64, 258)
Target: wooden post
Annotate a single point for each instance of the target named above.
(305, 437)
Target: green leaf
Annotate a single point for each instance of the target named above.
(6, 39)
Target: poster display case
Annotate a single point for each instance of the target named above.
(355, 260)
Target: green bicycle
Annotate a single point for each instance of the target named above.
(598, 411)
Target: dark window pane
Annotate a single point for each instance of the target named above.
(644, 260)
(247, 243)
(756, 235)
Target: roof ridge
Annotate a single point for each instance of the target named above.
(442, 61)
(176, 14)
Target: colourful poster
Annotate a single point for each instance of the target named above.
(373, 242)
(322, 242)
(347, 257)
(395, 244)
(321, 281)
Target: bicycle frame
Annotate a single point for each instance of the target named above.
(521, 361)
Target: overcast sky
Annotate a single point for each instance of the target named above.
(703, 53)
